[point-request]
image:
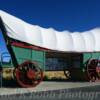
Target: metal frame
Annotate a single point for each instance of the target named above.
(8, 43)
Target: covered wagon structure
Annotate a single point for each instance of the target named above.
(34, 50)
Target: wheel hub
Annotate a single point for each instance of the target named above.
(31, 74)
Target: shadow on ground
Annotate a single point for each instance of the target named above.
(9, 83)
(13, 83)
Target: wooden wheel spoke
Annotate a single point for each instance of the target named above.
(91, 74)
(92, 69)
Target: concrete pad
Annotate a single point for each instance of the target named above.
(47, 86)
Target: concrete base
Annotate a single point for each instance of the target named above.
(48, 86)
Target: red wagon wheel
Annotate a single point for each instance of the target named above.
(28, 74)
(92, 71)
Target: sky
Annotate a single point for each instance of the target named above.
(72, 15)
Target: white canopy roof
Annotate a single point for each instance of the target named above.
(49, 38)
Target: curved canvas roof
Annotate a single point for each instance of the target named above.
(49, 38)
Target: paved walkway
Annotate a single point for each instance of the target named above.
(46, 86)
